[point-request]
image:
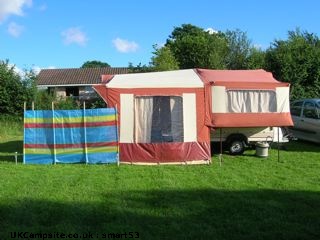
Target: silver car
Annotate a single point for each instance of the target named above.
(306, 118)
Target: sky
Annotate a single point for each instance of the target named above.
(37, 34)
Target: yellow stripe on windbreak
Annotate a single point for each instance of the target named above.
(72, 119)
(70, 150)
(38, 120)
(101, 149)
(38, 151)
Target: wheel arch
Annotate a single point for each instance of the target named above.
(237, 136)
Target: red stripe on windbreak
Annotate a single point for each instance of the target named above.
(80, 145)
(69, 125)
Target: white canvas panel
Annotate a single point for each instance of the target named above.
(168, 79)
(189, 117)
(283, 104)
(218, 99)
(126, 118)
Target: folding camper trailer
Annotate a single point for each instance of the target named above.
(245, 107)
(166, 117)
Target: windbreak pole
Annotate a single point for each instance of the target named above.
(54, 136)
(85, 133)
(24, 130)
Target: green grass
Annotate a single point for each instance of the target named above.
(244, 198)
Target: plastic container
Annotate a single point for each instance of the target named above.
(262, 149)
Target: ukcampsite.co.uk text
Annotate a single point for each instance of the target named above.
(58, 235)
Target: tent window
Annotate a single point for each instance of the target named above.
(251, 101)
(158, 119)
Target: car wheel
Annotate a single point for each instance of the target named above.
(236, 147)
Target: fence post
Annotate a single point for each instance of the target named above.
(220, 155)
(85, 133)
(54, 135)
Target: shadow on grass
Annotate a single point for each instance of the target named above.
(8, 149)
(169, 214)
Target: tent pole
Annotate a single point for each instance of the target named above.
(278, 144)
(54, 135)
(32, 105)
(117, 134)
(220, 155)
(24, 130)
(85, 132)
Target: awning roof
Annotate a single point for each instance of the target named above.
(169, 79)
(239, 77)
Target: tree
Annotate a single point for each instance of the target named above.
(297, 60)
(94, 64)
(163, 59)
(193, 47)
(256, 59)
(14, 90)
(239, 47)
(139, 68)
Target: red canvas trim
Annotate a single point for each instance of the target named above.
(164, 152)
(251, 120)
(106, 78)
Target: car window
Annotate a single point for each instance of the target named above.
(309, 110)
(295, 108)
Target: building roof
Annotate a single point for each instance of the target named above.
(76, 76)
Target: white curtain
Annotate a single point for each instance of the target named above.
(158, 119)
(251, 101)
(143, 119)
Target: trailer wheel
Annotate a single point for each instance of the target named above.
(236, 145)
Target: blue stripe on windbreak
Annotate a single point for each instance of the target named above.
(70, 135)
(70, 158)
(93, 158)
(38, 136)
(111, 157)
(38, 159)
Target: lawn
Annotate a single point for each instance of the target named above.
(244, 198)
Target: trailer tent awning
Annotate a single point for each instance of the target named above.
(161, 116)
